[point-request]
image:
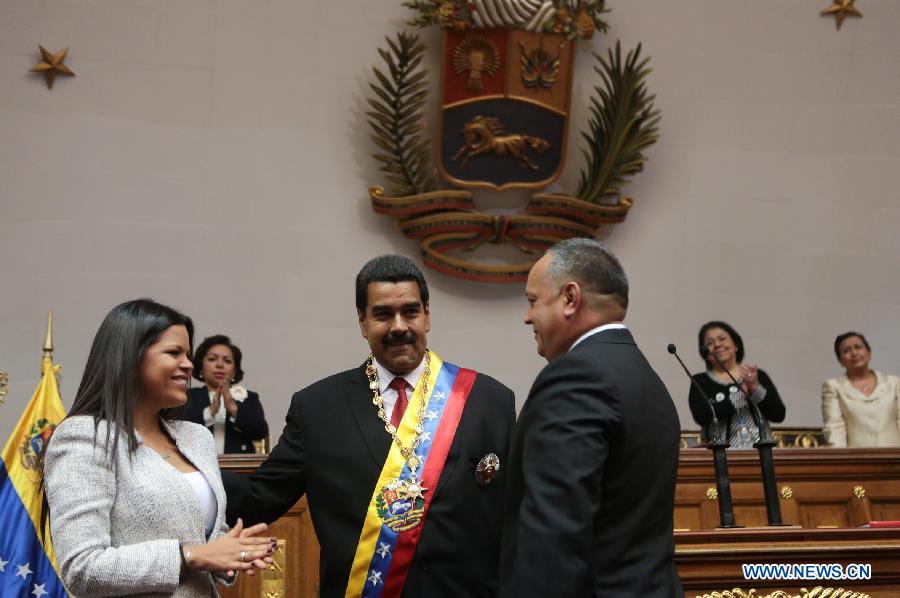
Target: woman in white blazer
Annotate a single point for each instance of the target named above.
(134, 496)
(862, 407)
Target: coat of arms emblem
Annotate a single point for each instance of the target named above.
(33, 444)
(401, 504)
(505, 94)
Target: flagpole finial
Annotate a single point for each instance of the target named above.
(48, 341)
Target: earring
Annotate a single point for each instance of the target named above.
(200, 375)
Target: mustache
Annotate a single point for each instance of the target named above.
(399, 338)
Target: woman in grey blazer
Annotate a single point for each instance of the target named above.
(134, 496)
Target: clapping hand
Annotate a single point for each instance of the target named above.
(238, 550)
(750, 378)
(215, 403)
(223, 396)
(230, 404)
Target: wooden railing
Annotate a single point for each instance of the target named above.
(784, 438)
(821, 488)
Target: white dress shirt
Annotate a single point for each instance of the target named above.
(389, 395)
(216, 420)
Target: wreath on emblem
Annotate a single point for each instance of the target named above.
(381, 505)
(34, 443)
(510, 133)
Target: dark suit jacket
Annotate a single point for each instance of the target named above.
(591, 479)
(249, 424)
(333, 448)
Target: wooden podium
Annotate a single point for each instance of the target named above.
(711, 561)
(295, 572)
(819, 488)
(826, 494)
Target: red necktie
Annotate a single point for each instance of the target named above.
(399, 384)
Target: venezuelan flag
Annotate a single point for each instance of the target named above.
(27, 567)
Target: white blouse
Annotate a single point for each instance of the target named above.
(216, 420)
(208, 503)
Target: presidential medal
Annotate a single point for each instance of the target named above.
(487, 468)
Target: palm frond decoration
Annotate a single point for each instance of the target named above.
(623, 125)
(396, 117)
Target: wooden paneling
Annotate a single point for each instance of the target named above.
(301, 549)
(819, 488)
(711, 561)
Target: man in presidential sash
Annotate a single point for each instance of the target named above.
(593, 459)
(402, 459)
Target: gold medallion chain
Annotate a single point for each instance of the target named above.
(408, 453)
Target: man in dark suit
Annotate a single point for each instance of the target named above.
(388, 516)
(592, 463)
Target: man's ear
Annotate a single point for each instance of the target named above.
(572, 298)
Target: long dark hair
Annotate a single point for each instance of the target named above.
(110, 386)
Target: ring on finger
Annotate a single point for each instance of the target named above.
(243, 555)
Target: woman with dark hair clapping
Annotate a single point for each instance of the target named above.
(723, 350)
(862, 407)
(133, 494)
(232, 413)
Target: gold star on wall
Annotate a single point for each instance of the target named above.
(52, 66)
(841, 9)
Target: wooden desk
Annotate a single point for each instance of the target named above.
(711, 561)
(819, 488)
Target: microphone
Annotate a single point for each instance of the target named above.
(717, 444)
(764, 446)
(715, 420)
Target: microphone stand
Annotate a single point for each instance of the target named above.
(717, 443)
(764, 447)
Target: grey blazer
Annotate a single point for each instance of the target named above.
(116, 521)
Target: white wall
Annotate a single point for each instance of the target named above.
(213, 154)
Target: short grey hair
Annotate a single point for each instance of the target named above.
(592, 265)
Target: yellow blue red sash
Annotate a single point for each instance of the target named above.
(393, 524)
